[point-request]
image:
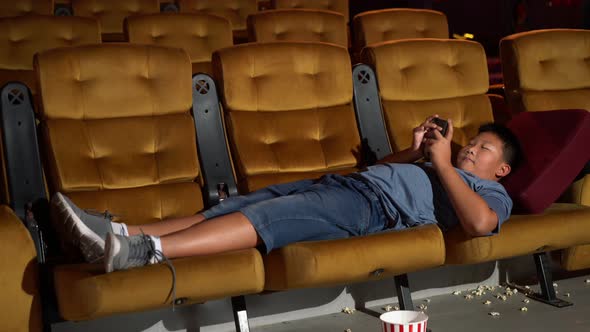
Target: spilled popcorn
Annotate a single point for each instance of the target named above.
(468, 297)
(387, 308)
(493, 313)
(526, 300)
(555, 284)
(587, 281)
(348, 310)
(423, 307)
(567, 294)
(457, 292)
(348, 330)
(488, 302)
(427, 300)
(524, 309)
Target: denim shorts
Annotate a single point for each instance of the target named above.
(332, 207)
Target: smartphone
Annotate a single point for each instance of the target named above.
(444, 124)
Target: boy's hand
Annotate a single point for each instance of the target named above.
(420, 132)
(438, 147)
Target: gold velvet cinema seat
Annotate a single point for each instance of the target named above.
(397, 23)
(298, 24)
(198, 34)
(22, 37)
(25, 7)
(549, 70)
(449, 77)
(236, 11)
(111, 13)
(20, 300)
(339, 6)
(118, 135)
(288, 110)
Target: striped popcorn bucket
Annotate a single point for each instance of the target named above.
(404, 321)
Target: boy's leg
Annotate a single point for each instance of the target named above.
(319, 213)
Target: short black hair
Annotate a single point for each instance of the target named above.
(512, 151)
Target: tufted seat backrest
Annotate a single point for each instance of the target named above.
(298, 25)
(198, 34)
(25, 7)
(340, 6)
(111, 13)
(421, 77)
(547, 69)
(117, 130)
(398, 23)
(236, 11)
(21, 37)
(288, 110)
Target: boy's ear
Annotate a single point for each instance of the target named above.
(503, 170)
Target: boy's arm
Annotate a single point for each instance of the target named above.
(415, 152)
(474, 214)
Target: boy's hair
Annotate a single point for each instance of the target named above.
(512, 152)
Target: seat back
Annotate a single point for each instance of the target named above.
(25, 7)
(421, 77)
(298, 25)
(340, 6)
(111, 13)
(117, 131)
(198, 34)
(236, 11)
(24, 36)
(397, 23)
(547, 69)
(288, 110)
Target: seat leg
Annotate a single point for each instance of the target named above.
(545, 277)
(238, 304)
(402, 286)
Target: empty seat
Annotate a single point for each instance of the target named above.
(119, 135)
(298, 24)
(26, 7)
(24, 36)
(111, 13)
(340, 6)
(288, 110)
(198, 34)
(397, 23)
(549, 70)
(236, 11)
(449, 77)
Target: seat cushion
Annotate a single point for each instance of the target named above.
(561, 226)
(372, 257)
(198, 279)
(555, 149)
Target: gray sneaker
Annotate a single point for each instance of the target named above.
(122, 253)
(86, 230)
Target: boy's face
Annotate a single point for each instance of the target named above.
(484, 157)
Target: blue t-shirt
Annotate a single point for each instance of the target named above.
(412, 195)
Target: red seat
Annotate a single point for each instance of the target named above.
(555, 150)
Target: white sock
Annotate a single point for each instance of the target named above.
(120, 228)
(158, 248)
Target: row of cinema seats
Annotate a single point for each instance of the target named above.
(201, 34)
(116, 132)
(111, 13)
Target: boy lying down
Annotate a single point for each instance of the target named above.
(393, 195)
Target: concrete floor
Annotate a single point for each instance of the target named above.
(455, 313)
